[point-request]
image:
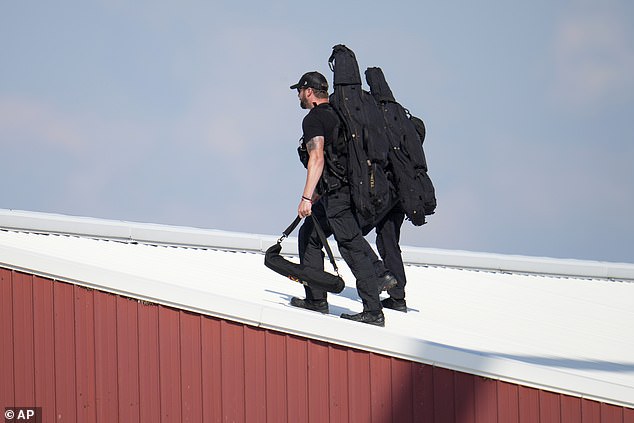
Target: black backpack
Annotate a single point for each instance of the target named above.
(367, 142)
(406, 134)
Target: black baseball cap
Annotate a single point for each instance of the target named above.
(313, 80)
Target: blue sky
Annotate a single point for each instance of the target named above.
(180, 113)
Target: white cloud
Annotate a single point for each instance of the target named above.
(594, 58)
(33, 122)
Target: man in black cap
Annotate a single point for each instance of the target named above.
(326, 197)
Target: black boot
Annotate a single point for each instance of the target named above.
(387, 281)
(375, 318)
(313, 305)
(398, 305)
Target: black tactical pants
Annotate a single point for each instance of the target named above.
(334, 214)
(388, 234)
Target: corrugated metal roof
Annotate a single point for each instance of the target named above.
(560, 325)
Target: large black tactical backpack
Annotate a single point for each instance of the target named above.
(406, 134)
(367, 143)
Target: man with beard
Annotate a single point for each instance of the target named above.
(326, 197)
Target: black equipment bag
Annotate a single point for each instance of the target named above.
(367, 143)
(314, 278)
(406, 134)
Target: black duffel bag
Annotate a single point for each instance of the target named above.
(314, 278)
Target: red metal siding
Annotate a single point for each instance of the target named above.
(44, 343)
(317, 377)
(85, 355)
(423, 393)
(24, 358)
(444, 396)
(169, 365)
(149, 359)
(64, 362)
(378, 381)
(549, 407)
(254, 394)
(128, 360)
(465, 396)
(570, 409)
(363, 401)
(7, 391)
(337, 369)
(211, 371)
(402, 390)
(275, 386)
(297, 379)
(106, 377)
(486, 399)
(508, 402)
(88, 356)
(191, 359)
(232, 373)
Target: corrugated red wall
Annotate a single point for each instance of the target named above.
(89, 356)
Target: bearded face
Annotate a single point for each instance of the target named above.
(304, 103)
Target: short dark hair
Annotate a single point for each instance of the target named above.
(320, 93)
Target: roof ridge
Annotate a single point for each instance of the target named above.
(161, 234)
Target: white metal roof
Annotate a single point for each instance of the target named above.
(560, 325)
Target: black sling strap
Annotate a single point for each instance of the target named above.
(320, 233)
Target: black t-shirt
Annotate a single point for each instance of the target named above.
(323, 121)
(320, 121)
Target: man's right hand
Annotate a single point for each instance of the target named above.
(305, 208)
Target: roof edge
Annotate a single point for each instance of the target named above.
(152, 233)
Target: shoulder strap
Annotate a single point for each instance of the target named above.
(290, 229)
(320, 233)
(324, 242)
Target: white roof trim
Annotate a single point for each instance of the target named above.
(209, 238)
